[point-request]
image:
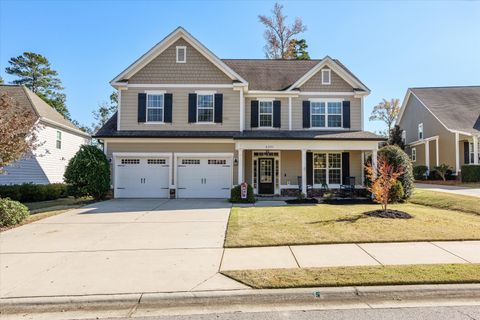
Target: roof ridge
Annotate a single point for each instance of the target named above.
(446, 87)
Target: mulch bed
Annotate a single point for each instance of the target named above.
(301, 201)
(389, 214)
(348, 201)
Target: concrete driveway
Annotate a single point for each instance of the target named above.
(473, 192)
(118, 246)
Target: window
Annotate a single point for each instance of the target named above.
(58, 142)
(326, 114)
(327, 168)
(472, 153)
(155, 107)
(190, 161)
(326, 76)
(265, 114)
(205, 107)
(414, 154)
(217, 161)
(404, 136)
(181, 54)
(130, 161)
(420, 131)
(156, 161)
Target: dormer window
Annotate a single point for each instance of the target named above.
(326, 76)
(181, 54)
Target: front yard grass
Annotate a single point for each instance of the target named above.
(328, 223)
(443, 200)
(358, 276)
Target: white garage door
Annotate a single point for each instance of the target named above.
(138, 177)
(204, 177)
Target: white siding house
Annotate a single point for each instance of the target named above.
(59, 141)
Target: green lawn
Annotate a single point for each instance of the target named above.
(58, 204)
(326, 223)
(443, 200)
(356, 276)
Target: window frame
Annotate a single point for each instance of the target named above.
(155, 93)
(58, 140)
(326, 114)
(329, 71)
(327, 169)
(178, 48)
(404, 136)
(265, 113)
(414, 154)
(206, 93)
(420, 131)
(471, 152)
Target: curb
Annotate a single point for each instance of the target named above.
(236, 297)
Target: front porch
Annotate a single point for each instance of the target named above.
(313, 170)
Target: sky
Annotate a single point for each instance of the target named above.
(390, 46)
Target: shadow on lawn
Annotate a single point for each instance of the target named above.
(351, 219)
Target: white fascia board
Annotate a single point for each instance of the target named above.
(66, 128)
(263, 94)
(142, 154)
(327, 61)
(167, 42)
(331, 145)
(179, 85)
(167, 140)
(402, 108)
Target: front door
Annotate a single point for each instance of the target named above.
(266, 185)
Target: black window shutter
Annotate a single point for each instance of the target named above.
(192, 107)
(466, 152)
(254, 114)
(306, 114)
(218, 108)
(345, 166)
(277, 112)
(346, 114)
(142, 107)
(309, 169)
(168, 102)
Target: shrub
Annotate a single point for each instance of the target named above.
(88, 173)
(471, 173)
(12, 212)
(398, 158)
(420, 172)
(396, 193)
(29, 192)
(236, 195)
(441, 171)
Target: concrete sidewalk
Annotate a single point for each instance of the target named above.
(344, 255)
(473, 192)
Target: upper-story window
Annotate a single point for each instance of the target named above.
(205, 107)
(58, 141)
(155, 107)
(404, 136)
(265, 114)
(326, 114)
(420, 131)
(414, 154)
(326, 76)
(181, 54)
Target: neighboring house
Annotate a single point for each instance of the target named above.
(192, 125)
(58, 139)
(442, 125)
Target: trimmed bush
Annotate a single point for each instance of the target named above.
(29, 192)
(396, 193)
(471, 173)
(398, 157)
(420, 172)
(12, 212)
(88, 173)
(236, 195)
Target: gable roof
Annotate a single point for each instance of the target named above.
(28, 100)
(167, 42)
(456, 108)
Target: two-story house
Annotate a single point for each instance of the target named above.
(192, 125)
(58, 141)
(441, 125)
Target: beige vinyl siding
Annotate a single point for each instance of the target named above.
(162, 147)
(337, 84)
(283, 110)
(356, 166)
(165, 70)
(416, 113)
(129, 111)
(290, 166)
(355, 111)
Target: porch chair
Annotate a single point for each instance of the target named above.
(309, 186)
(347, 189)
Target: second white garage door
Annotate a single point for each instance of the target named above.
(204, 177)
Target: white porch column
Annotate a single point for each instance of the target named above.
(457, 153)
(427, 154)
(374, 159)
(475, 150)
(437, 153)
(362, 164)
(304, 171)
(242, 110)
(240, 166)
(289, 113)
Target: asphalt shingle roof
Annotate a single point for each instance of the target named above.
(458, 108)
